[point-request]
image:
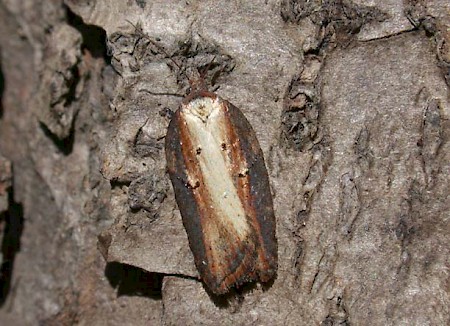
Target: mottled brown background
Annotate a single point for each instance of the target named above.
(349, 100)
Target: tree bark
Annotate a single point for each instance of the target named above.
(349, 101)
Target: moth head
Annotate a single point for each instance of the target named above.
(197, 79)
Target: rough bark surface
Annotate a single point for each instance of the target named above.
(350, 103)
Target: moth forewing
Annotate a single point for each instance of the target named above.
(222, 190)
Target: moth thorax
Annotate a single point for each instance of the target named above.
(202, 108)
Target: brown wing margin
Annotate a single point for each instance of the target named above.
(260, 194)
(183, 193)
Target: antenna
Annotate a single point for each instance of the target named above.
(195, 83)
(138, 30)
(205, 71)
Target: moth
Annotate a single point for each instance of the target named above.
(222, 189)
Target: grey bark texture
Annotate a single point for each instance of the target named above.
(350, 103)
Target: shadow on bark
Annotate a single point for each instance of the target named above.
(13, 227)
(94, 37)
(134, 281)
(64, 145)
